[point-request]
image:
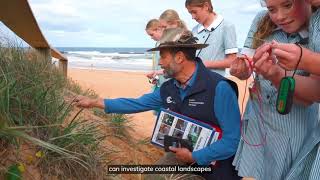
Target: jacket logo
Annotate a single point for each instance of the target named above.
(169, 100)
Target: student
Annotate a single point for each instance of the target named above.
(306, 166)
(271, 142)
(288, 54)
(190, 81)
(215, 31)
(170, 19)
(154, 30)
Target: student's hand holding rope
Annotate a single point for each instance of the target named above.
(264, 64)
(150, 74)
(287, 54)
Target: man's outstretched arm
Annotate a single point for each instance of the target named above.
(123, 105)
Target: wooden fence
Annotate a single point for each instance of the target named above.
(18, 17)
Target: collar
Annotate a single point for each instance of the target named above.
(301, 37)
(213, 25)
(190, 82)
(303, 33)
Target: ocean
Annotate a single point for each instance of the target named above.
(119, 59)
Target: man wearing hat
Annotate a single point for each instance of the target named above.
(193, 91)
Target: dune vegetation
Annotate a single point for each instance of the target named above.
(40, 132)
(43, 136)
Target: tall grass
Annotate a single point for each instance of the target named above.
(119, 124)
(33, 108)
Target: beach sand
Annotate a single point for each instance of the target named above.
(113, 84)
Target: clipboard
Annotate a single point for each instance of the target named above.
(169, 123)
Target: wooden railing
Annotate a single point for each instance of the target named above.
(18, 17)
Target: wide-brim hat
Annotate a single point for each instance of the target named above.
(178, 38)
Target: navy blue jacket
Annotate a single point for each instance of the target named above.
(199, 102)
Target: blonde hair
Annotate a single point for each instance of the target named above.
(171, 16)
(199, 3)
(265, 27)
(153, 23)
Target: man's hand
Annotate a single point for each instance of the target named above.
(86, 102)
(240, 68)
(183, 154)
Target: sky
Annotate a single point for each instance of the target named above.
(121, 23)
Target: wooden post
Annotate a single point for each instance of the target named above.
(63, 66)
(44, 54)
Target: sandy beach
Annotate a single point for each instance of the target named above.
(113, 84)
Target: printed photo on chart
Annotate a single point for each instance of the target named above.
(181, 125)
(194, 134)
(167, 119)
(178, 133)
(164, 130)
